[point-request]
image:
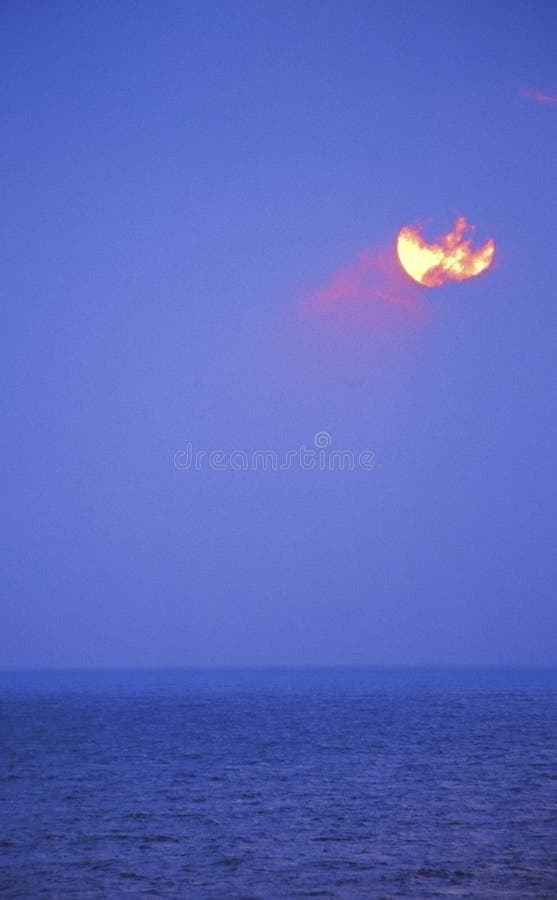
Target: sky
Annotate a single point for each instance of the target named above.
(182, 184)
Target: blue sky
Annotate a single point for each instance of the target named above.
(176, 178)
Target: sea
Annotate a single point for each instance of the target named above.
(279, 783)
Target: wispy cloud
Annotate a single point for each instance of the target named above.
(372, 288)
(538, 96)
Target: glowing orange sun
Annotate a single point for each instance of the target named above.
(450, 258)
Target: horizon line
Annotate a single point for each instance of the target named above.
(266, 666)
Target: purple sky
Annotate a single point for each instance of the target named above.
(177, 179)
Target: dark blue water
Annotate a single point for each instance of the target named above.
(279, 783)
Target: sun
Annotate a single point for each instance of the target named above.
(450, 258)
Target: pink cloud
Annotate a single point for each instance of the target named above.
(538, 96)
(372, 289)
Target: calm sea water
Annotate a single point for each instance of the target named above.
(279, 783)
